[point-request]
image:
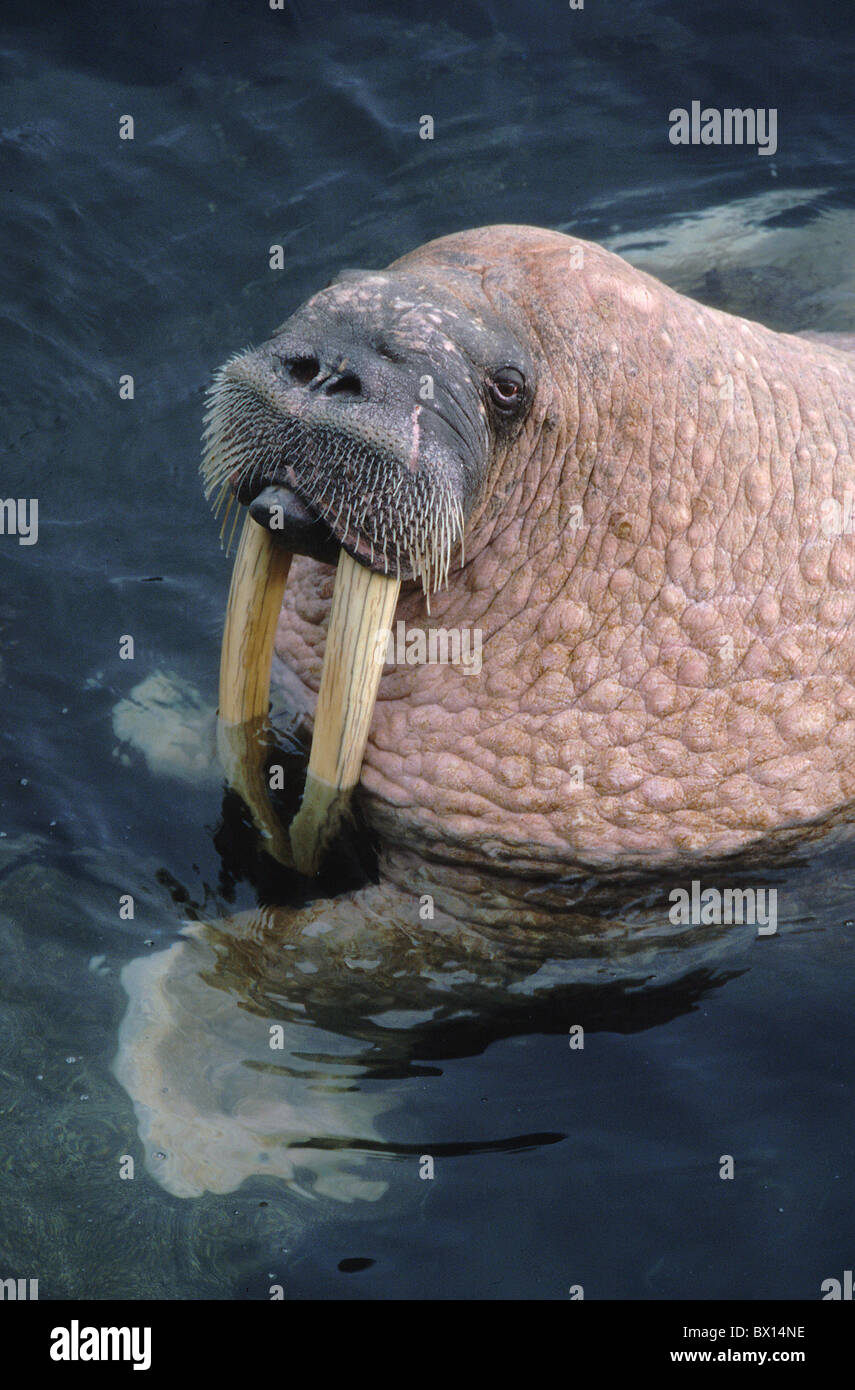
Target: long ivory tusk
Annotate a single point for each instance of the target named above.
(255, 599)
(363, 604)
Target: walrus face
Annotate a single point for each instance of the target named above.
(368, 422)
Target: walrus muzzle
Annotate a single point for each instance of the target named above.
(361, 434)
(338, 458)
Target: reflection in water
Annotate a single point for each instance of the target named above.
(215, 1102)
(253, 1045)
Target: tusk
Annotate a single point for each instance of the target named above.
(255, 599)
(363, 605)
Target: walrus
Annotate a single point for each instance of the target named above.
(643, 506)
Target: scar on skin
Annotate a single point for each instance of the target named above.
(413, 461)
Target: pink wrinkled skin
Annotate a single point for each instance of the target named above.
(689, 644)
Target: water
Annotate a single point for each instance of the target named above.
(553, 1167)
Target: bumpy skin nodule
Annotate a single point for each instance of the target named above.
(687, 641)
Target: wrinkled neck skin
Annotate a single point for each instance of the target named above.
(667, 647)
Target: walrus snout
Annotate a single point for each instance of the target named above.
(376, 407)
(307, 370)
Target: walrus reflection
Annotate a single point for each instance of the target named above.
(249, 1045)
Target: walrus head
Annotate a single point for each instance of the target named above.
(368, 420)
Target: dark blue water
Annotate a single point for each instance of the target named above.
(553, 1168)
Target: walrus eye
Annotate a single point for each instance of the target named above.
(506, 388)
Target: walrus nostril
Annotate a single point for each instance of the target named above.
(302, 370)
(347, 385)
